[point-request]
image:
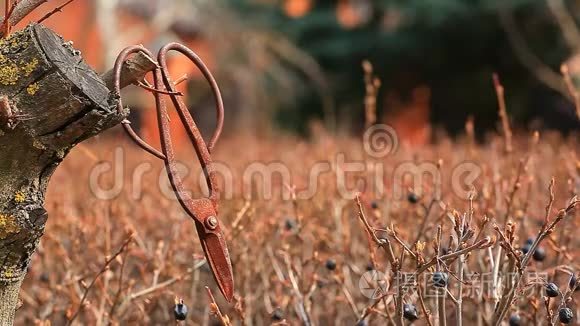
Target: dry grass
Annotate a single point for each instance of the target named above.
(283, 269)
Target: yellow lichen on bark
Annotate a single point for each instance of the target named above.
(20, 197)
(29, 67)
(9, 74)
(8, 273)
(11, 70)
(8, 226)
(14, 41)
(32, 88)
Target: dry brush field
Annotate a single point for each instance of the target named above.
(125, 260)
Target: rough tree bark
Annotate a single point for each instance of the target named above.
(50, 100)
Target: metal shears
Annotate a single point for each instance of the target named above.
(203, 211)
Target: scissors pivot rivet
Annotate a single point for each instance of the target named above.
(212, 222)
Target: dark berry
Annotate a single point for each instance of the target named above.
(526, 248)
(413, 198)
(361, 323)
(565, 315)
(410, 312)
(370, 266)
(44, 278)
(539, 254)
(290, 224)
(180, 311)
(572, 282)
(440, 279)
(277, 315)
(530, 241)
(330, 264)
(515, 320)
(552, 290)
(374, 204)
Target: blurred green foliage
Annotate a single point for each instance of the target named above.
(453, 46)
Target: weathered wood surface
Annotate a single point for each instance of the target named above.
(50, 100)
(134, 69)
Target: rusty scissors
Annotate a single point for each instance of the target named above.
(203, 211)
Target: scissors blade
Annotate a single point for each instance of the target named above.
(218, 259)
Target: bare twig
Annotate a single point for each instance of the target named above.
(119, 288)
(383, 243)
(146, 86)
(441, 310)
(483, 243)
(300, 307)
(547, 228)
(54, 11)
(425, 218)
(215, 309)
(550, 202)
(508, 246)
(549, 312)
(241, 214)
(426, 312)
(21, 10)
(372, 85)
(103, 270)
(401, 242)
(399, 297)
(506, 129)
(368, 310)
(516, 186)
(566, 22)
(350, 300)
(571, 88)
(7, 11)
(528, 59)
(461, 266)
(156, 287)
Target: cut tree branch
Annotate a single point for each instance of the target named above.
(133, 70)
(50, 101)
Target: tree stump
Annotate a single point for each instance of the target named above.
(50, 100)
